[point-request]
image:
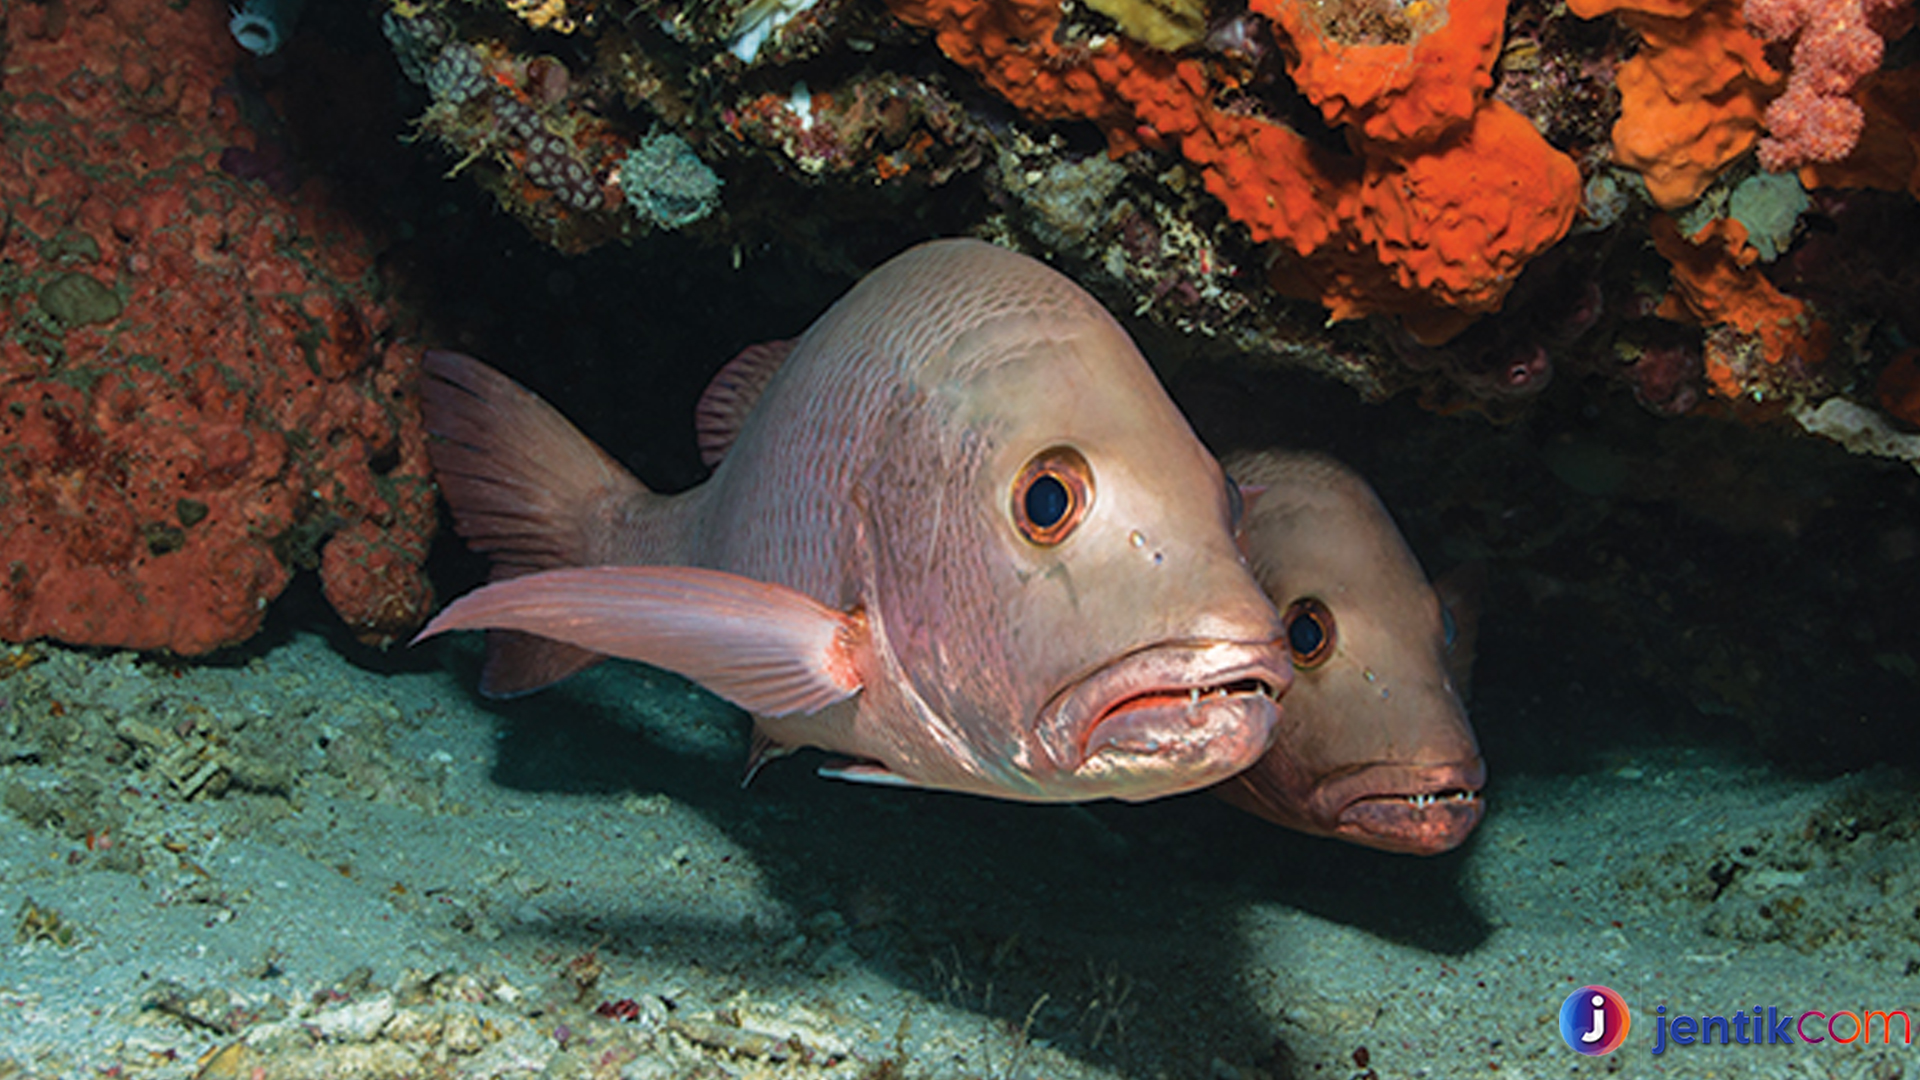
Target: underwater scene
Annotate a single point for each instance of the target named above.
(959, 539)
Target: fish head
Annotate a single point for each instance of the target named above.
(1055, 567)
(1374, 745)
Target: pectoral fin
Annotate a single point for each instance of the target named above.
(769, 649)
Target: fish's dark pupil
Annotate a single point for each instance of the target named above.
(1305, 635)
(1047, 501)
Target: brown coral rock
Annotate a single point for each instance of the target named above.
(198, 391)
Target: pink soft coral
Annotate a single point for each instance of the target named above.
(1839, 42)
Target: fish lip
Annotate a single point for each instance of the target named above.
(1216, 719)
(1409, 808)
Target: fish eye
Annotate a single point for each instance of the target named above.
(1309, 632)
(1051, 494)
(1048, 501)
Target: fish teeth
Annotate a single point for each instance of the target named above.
(1195, 694)
(1422, 801)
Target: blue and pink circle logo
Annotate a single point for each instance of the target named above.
(1594, 1020)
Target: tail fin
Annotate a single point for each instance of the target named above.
(527, 488)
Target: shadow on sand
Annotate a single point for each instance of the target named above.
(1122, 924)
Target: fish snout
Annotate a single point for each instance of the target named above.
(1413, 809)
(1236, 614)
(1166, 719)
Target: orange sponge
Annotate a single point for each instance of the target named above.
(1393, 74)
(1716, 282)
(1439, 201)
(1691, 100)
(1457, 224)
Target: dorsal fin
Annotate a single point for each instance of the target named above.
(732, 394)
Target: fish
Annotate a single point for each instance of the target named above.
(1374, 744)
(956, 533)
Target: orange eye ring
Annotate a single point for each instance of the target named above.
(1051, 494)
(1309, 632)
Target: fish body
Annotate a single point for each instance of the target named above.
(1374, 745)
(957, 531)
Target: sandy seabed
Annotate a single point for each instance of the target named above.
(292, 864)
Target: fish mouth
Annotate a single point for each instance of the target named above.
(1168, 718)
(1412, 809)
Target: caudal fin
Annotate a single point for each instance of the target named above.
(527, 488)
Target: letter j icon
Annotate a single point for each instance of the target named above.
(1598, 1029)
(1594, 1020)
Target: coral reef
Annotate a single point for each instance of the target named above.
(1441, 196)
(1691, 100)
(1760, 335)
(504, 115)
(1835, 44)
(1397, 74)
(1730, 130)
(1768, 206)
(667, 184)
(1497, 367)
(1886, 155)
(1704, 87)
(578, 150)
(1168, 25)
(1373, 190)
(200, 391)
(1860, 430)
(876, 128)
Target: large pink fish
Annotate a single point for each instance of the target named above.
(1374, 744)
(957, 532)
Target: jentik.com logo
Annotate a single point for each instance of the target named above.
(1594, 1020)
